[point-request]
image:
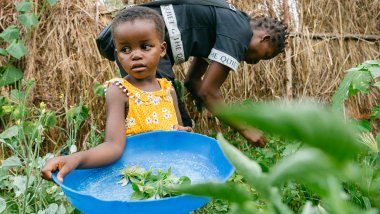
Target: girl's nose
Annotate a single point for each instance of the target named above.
(136, 54)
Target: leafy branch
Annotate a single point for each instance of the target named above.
(147, 185)
(16, 48)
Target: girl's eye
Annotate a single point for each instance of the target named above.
(146, 47)
(125, 50)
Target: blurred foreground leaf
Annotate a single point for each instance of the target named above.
(230, 192)
(306, 121)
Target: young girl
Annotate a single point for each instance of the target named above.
(136, 103)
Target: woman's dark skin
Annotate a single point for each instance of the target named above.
(215, 74)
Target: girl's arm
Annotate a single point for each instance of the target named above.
(103, 154)
(114, 142)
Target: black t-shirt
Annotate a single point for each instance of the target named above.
(216, 33)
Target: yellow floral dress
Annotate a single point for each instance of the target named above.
(148, 111)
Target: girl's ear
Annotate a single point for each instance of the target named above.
(163, 49)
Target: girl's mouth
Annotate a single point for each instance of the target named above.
(138, 68)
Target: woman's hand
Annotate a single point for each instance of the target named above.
(254, 137)
(65, 164)
(183, 128)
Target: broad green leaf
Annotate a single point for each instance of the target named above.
(61, 209)
(362, 81)
(291, 149)
(308, 208)
(9, 133)
(17, 49)
(306, 121)
(247, 208)
(20, 112)
(230, 192)
(3, 52)
(77, 114)
(3, 205)
(28, 20)
(51, 209)
(11, 75)
(249, 169)
(52, 2)
(24, 6)
(278, 205)
(305, 166)
(18, 184)
(98, 89)
(373, 62)
(375, 71)
(30, 83)
(357, 68)
(17, 96)
(137, 195)
(376, 112)
(335, 201)
(363, 125)
(49, 119)
(342, 92)
(376, 84)
(11, 162)
(10, 34)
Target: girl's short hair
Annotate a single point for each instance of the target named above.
(133, 13)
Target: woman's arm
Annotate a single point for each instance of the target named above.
(180, 126)
(208, 90)
(175, 102)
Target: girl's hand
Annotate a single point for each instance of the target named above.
(183, 128)
(65, 164)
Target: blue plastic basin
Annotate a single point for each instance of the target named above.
(188, 154)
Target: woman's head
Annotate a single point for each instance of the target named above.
(268, 40)
(138, 36)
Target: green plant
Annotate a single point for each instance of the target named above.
(15, 50)
(325, 160)
(147, 185)
(357, 79)
(22, 187)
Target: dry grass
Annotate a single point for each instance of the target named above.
(64, 60)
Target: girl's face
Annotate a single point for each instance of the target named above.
(139, 48)
(259, 48)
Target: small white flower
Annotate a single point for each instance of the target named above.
(156, 101)
(137, 94)
(155, 120)
(138, 102)
(167, 115)
(148, 120)
(132, 121)
(164, 110)
(154, 114)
